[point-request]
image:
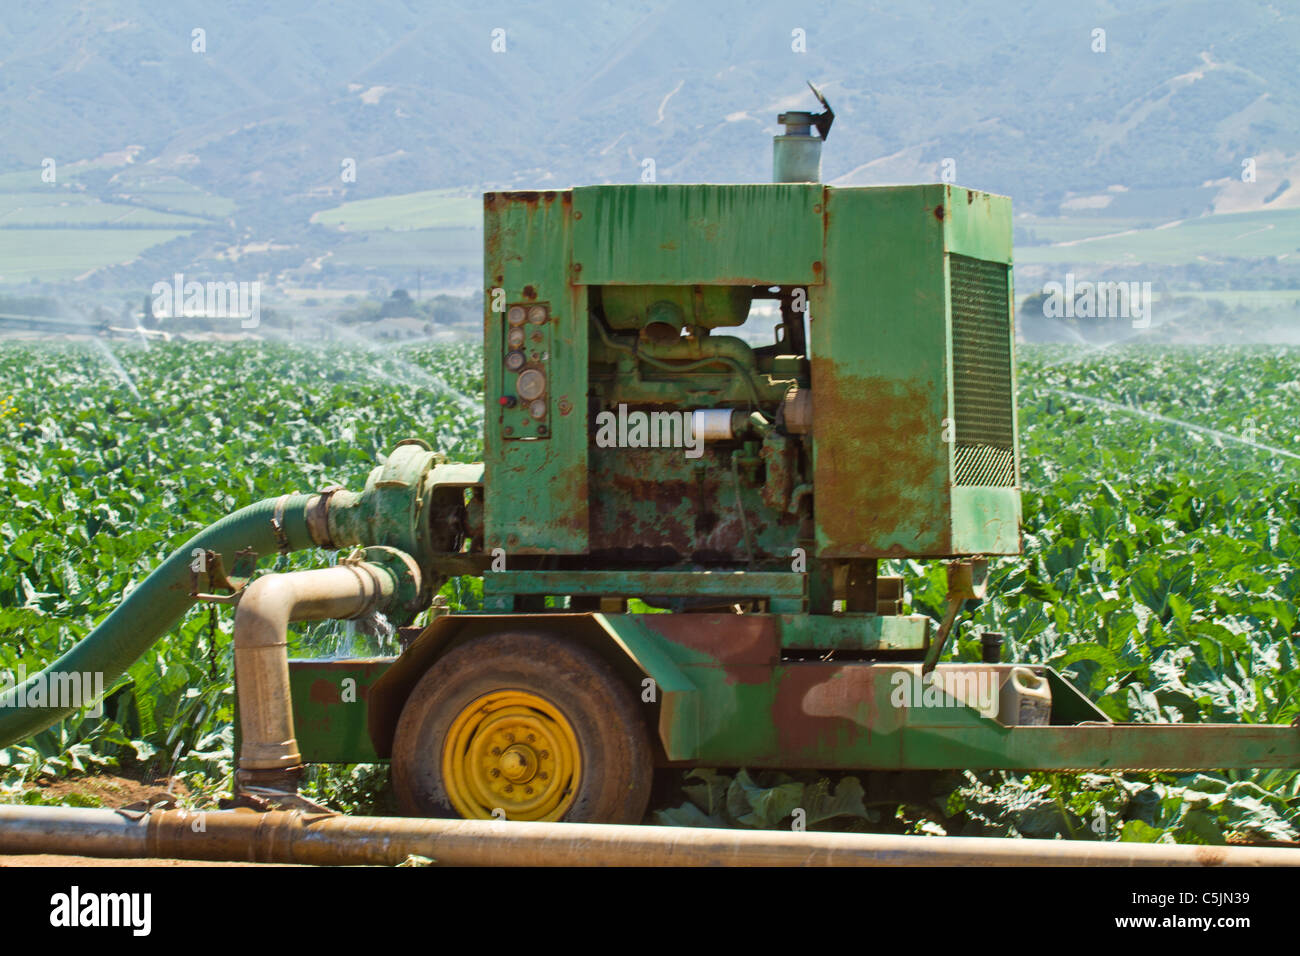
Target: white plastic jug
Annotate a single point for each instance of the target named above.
(1026, 699)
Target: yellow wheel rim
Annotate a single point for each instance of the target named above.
(514, 751)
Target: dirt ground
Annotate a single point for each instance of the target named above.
(113, 792)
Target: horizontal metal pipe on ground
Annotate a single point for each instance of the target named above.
(329, 839)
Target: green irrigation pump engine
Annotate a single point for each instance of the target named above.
(636, 450)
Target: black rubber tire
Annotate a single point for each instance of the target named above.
(617, 762)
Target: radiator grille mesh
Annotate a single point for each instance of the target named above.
(984, 423)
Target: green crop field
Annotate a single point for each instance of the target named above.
(1162, 503)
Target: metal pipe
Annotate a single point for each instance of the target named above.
(696, 352)
(268, 746)
(330, 839)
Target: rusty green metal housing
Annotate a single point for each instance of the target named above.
(907, 359)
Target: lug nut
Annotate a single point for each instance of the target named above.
(494, 772)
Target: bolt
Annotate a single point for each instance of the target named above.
(543, 775)
(544, 754)
(528, 789)
(530, 738)
(510, 788)
(510, 737)
(494, 772)
(496, 751)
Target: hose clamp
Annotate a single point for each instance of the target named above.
(277, 524)
(318, 517)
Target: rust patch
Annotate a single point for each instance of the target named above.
(938, 212)
(816, 707)
(744, 646)
(677, 514)
(326, 693)
(1210, 855)
(530, 292)
(883, 474)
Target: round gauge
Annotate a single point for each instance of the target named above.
(538, 408)
(516, 315)
(514, 361)
(537, 314)
(530, 385)
(515, 337)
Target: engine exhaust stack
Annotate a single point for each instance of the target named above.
(797, 153)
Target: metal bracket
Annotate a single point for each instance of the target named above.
(218, 580)
(967, 581)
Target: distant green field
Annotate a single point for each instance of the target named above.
(416, 248)
(1065, 229)
(48, 208)
(24, 179)
(65, 173)
(431, 209)
(57, 231)
(1206, 239)
(25, 189)
(169, 192)
(53, 254)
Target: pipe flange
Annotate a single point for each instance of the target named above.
(408, 597)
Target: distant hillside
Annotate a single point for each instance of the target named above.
(228, 153)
